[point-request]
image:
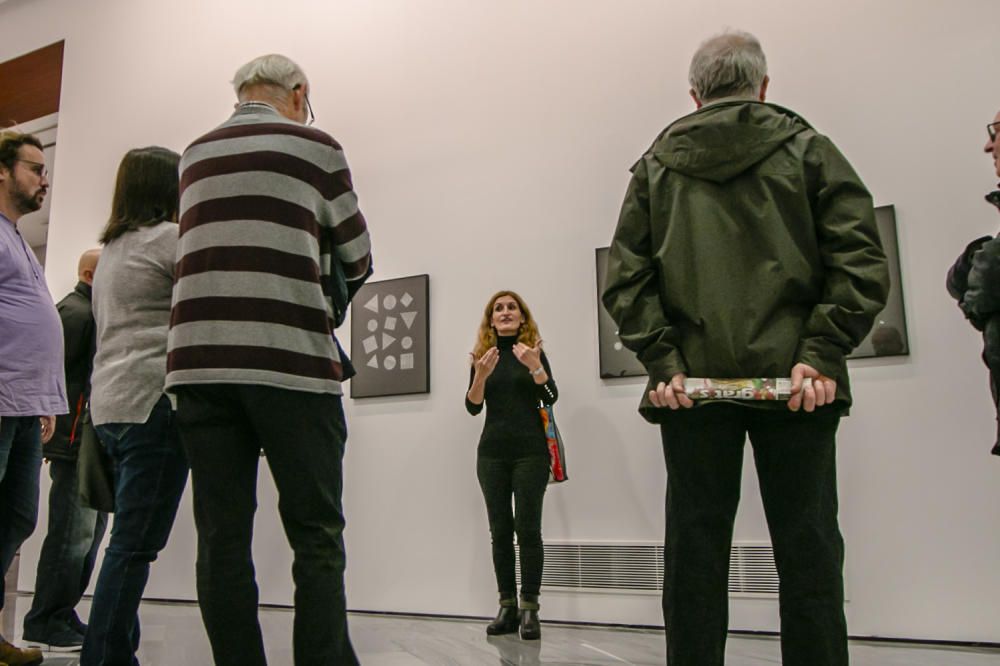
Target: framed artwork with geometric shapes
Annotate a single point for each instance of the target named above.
(615, 359)
(390, 337)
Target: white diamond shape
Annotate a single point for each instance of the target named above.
(408, 318)
(406, 300)
(406, 362)
(372, 303)
(373, 363)
(370, 344)
(390, 323)
(387, 340)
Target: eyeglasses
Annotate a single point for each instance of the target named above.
(37, 167)
(991, 129)
(309, 108)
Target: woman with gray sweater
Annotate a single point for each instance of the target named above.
(133, 416)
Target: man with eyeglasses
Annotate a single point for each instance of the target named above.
(974, 281)
(32, 385)
(272, 247)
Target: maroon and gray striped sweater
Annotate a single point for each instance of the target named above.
(260, 196)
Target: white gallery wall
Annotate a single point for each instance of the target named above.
(490, 144)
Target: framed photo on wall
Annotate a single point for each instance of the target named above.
(888, 336)
(614, 358)
(390, 337)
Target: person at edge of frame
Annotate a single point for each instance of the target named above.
(974, 281)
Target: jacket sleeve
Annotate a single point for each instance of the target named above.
(856, 274)
(77, 332)
(957, 282)
(982, 297)
(631, 292)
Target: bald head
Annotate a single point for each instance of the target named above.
(88, 264)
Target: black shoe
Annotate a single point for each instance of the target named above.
(63, 641)
(506, 622)
(531, 628)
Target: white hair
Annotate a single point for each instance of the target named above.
(727, 65)
(273, 70)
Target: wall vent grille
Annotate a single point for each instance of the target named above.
(637, 567)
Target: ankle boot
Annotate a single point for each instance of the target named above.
(507, 619)
(531, 628)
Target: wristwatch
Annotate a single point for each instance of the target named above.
(539, 370)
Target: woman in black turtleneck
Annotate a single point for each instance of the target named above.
(512, 376)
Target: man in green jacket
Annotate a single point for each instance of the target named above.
(747, 247)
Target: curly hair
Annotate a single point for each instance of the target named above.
(486, 337)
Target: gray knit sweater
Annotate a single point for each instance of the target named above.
(132, 290)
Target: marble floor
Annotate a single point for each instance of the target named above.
(173, 634)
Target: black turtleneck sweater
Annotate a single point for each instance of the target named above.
(513, 427)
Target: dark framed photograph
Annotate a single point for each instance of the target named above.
(390, 337)
(888, 336)
(615, 359)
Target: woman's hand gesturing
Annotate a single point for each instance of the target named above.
(487, 363)
(530, 357)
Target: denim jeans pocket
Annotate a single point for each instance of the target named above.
(112, 432)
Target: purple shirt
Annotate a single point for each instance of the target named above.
(32, 380)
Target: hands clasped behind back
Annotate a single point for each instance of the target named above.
(821, 391)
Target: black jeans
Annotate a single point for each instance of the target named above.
(795, 456)
(223, 428)
(525, 479)
(67, 558)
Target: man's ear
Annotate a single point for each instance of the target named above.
(694, 96)
(763, 88)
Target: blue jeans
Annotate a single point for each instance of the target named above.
(20, 463)
(150, 474)
(67, 558)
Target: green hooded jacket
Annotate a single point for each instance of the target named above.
(746, 244)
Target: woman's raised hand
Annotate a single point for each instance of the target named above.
(530, 357)
(487, 363)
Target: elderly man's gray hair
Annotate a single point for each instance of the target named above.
(728, 65)
(272, 69)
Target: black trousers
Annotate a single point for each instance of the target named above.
(524, 479)
(795, 457)
(223, 429)
(68, 555)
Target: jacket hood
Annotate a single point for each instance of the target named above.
(722, 140)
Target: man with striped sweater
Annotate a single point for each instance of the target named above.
(272, 246)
